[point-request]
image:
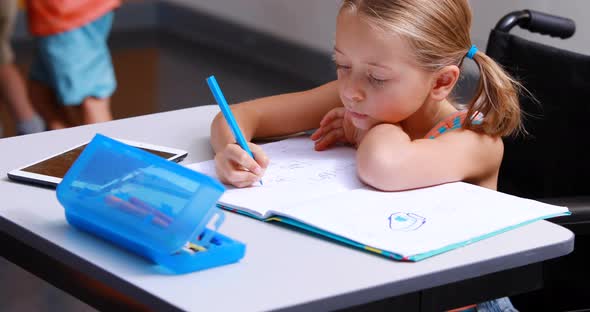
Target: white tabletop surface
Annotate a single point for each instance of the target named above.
(282, 269)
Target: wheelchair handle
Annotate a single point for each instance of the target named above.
(537, 22)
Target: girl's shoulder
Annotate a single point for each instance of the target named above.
(473, 156)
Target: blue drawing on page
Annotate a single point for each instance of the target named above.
(405, 221)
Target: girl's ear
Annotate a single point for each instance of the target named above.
(444, 82)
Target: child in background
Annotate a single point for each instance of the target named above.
(13, 92)
(397, 63)
(72, 76)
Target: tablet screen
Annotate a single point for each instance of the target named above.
(51, 170)
(58, 165)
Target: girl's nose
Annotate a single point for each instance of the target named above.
(352, 91)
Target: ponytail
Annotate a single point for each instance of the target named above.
(496, 98)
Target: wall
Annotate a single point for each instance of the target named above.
(311, 22)
(307, 22)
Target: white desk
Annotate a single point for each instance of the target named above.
(282, 269)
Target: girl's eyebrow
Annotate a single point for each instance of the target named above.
(379, 65)
(374, 64)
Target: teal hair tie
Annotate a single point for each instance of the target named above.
(472, 52)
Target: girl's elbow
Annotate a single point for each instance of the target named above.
(380, 172)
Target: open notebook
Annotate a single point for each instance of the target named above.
(320, 192)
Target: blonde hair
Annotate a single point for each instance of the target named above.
(439, 33)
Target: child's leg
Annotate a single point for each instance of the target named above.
(44, 101)
(96, 110)
(92, 110)
(13, 93)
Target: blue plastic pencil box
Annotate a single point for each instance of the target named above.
(149, 205)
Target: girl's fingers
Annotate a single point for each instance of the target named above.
(259, 155)
(235, 166)
(326, 124)
(231, 173)
(330, 139)
(332, 114)
(335, 124)
(317, 134)
(241, 178)
(326, 128)
(234, 153)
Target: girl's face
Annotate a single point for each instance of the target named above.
(378, 82)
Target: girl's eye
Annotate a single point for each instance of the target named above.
(342, 67)
(376, 81)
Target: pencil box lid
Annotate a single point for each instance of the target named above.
(147, 204)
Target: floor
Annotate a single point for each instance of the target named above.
(156, 72)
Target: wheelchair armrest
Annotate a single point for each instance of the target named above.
(579, 220)
(538, 22)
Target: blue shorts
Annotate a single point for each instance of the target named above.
(76, 64)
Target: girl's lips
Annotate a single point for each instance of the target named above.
(357, 115)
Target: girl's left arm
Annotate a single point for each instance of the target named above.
(389, 160)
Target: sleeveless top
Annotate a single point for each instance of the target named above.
(452, 122)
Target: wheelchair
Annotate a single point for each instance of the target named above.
(551, 162)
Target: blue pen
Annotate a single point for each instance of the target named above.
(229, 117)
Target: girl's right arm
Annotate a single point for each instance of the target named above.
(263, 118)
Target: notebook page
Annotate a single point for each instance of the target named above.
(296, 173)
(423, 221)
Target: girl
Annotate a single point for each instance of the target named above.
(397, 63)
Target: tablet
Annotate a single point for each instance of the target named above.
(51, 170)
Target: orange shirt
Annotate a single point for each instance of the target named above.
(50, 17)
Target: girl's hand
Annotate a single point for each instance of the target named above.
(336, 127)
(234, 166)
